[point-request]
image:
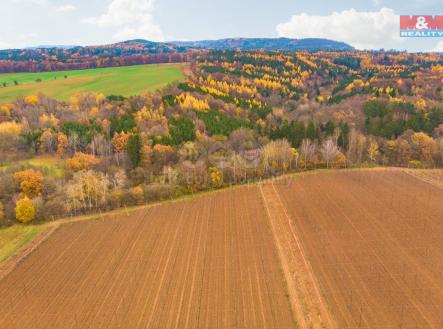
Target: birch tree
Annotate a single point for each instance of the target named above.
(329, 151)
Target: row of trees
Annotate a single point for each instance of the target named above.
(91, 183)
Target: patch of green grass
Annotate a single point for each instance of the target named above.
(14, 237)
(125, 81)
(50, 166)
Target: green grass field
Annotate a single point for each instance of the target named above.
(49, 166)
(14, 237)
(124, 81)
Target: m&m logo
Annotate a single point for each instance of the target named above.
(421, 26)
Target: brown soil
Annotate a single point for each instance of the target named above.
(431, 176)
(341, 249)
(203, 263)
(306, 299)
(374, 240)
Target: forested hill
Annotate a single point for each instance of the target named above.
(139, 51)
(125, 48)
(267, 44)
(131, 52)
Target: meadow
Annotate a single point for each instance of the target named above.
(49, 166)
(125, 81)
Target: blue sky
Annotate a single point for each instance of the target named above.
(370, 24)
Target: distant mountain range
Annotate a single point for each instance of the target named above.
(266, 44)
(145, 46)
(52, 46)
(139, 51)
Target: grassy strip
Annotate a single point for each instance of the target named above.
(14, 237)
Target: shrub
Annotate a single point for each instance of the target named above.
(24, 210)
(116, 199)
(157, 192)
(137, 194)
(53, 209)
(415, 164)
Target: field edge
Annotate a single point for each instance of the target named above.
(25, 248)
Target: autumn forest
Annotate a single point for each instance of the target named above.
(239, 116)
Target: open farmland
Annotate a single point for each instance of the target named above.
(125, 81)
(203, 263)
(374, 240)
(337, 249)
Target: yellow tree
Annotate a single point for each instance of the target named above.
(373, 151)
(24, 210)
(5, 110)
(189, 102)
(119, 142)
(216, 177)
(423, 146)
(31, 100)
(277, 155)
(31, 182)
(62, 144)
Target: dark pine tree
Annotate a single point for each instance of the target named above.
(133, 148)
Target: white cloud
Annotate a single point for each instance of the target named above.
(133, 18)
(363, 30)
(438, 48)
(65, 8)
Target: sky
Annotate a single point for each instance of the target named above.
(365, 24)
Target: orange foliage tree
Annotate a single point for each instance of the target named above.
(81, 161)
(31, 182)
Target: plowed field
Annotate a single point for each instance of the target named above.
(340, 249)
(374, 240)
(203, 263)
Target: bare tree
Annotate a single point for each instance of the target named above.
(357, 147)
(277, 155)
(307, 150)
(329, 151)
